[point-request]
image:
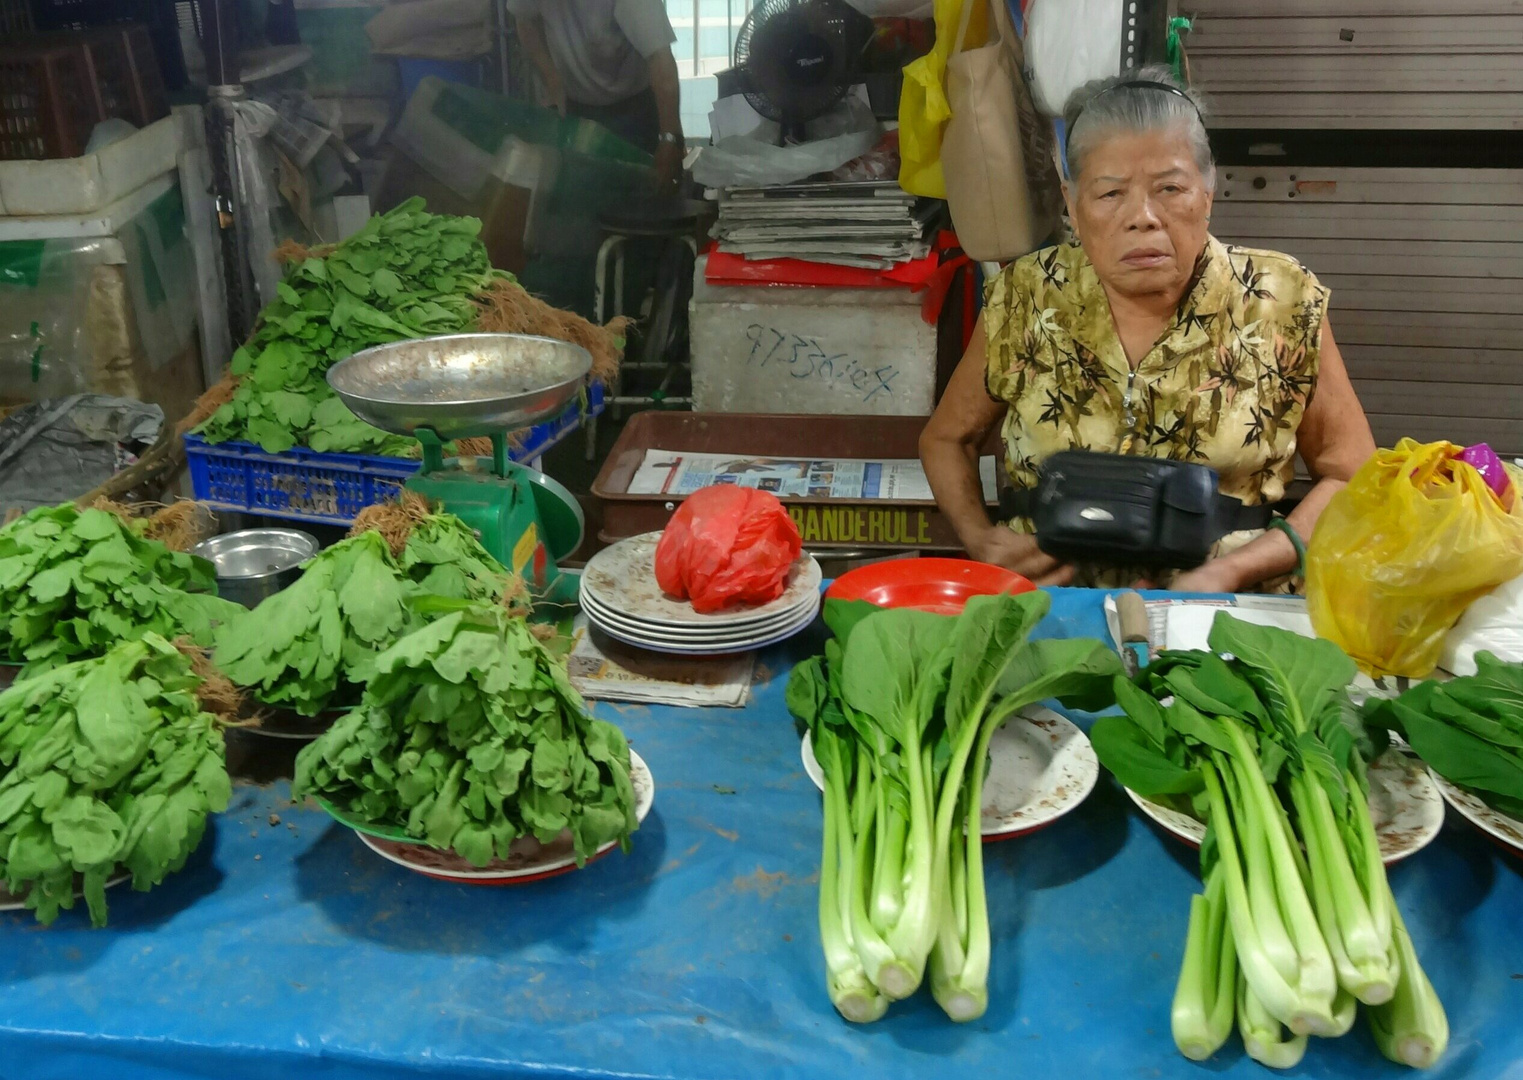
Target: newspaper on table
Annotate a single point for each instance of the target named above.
(606, 670)
(674, 472)
(1182, 623)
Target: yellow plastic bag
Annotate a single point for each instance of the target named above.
(923, 107)
(1400, 553)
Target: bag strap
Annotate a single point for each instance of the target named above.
(1228, 514)
(964, 21)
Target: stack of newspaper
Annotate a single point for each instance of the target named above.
(872, 225)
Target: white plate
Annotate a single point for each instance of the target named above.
(622, 578)
(1041, 766)
(529, 861)
(1404, 802)
(743, 643)
(693, 634)
(1505, 830)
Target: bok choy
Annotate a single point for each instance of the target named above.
(901, 710)
(1297, 924)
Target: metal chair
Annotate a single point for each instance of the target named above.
(674, 225)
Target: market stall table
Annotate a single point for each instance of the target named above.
(286, 949)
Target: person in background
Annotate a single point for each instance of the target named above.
(609, 61)
(1151, 337)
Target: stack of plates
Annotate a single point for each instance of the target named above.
(620, 597)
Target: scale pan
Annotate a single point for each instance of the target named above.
(461, 386)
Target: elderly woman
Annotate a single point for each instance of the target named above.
(1150, 337)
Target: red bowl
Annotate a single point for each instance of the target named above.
(942, 586)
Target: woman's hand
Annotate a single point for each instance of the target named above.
(1214, 576)
(1019, 553)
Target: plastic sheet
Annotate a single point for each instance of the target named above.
(56, 450)
(291, 951)
(755, 160)
(727, 545)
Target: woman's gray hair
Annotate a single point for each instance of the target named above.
(1106, 106)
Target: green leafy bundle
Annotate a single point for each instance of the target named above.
(901, 710)
(406, 274)
(105, 765)
(443, 557)
(468, 738)
(1297, 923)
(1469, 730)
(298, 648)
(75, 582)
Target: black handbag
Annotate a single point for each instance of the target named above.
(1129, 511)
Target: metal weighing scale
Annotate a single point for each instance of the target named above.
(465, 386)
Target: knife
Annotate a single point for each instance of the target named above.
(1133, 616)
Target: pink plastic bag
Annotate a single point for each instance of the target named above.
(727, 545)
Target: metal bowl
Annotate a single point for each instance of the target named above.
(461, 386)
(255, 564)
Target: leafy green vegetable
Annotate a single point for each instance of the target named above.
(1469, 730)
(298, 648)
(469, 737)
(1006, 674)
(444, 558)
(75, 582)
(406, 274)
(1267, 748)
(106, 764)
(900, 711)
(295, 648)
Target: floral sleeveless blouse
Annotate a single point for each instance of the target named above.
(1225, 385)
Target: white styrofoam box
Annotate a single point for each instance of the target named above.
(350, 213)
(101, 223)
(145, 234)
(84, 185)
(772, 349)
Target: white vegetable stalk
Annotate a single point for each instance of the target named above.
(1205, 996)
(1411, 1028)
(1265, 1039)
(852, 993)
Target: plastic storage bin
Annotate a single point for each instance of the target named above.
(103, 302)
(331, 489)
(47, 102)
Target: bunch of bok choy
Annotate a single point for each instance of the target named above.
(1296, 925)
(900, 711)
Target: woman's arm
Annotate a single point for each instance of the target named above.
(1334, 440)
(949, 448)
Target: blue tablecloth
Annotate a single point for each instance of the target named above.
(290, 950)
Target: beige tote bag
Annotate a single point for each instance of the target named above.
(1001, 200)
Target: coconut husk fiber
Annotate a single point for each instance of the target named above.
(217, 694)
(508, 308)
(395, 521)
(218, 395)
(179, 526)
(290, 252)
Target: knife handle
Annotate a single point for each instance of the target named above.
(1133, 614)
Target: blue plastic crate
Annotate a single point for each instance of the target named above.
(330, 489)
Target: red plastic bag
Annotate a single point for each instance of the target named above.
(727, 545)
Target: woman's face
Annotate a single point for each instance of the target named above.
(1140, 208)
